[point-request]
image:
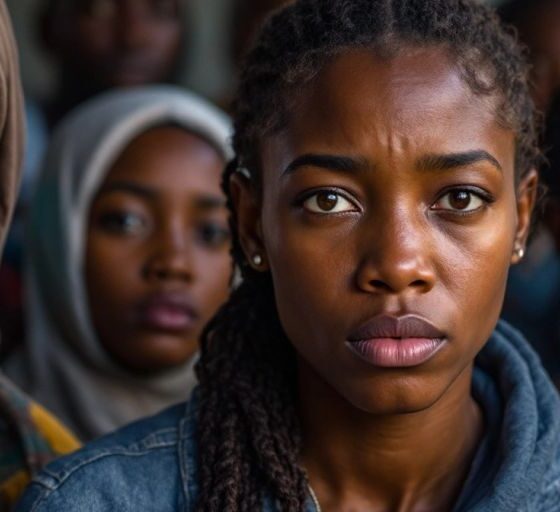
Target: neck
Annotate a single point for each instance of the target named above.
(404, 462)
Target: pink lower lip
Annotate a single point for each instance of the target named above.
(396, 353)
(168, 318)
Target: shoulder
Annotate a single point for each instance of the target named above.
(29, 438)
(144, 466)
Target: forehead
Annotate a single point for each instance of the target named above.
(415, 100)
(169, 158)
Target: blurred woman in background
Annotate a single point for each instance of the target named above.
(128, 257)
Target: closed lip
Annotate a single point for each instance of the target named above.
(396, 342)
(403, 327)
(167, 311)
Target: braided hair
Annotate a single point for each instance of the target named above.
(248, 432)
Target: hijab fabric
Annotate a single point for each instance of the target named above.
(11, 122)
(64, 366)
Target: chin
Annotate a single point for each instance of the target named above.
(153, 355)
(393, 393)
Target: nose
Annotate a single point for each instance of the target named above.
(397, 258)
(170, 259)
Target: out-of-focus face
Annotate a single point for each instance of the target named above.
(542, 34)
(115, 43)
(389, 219)
(158, 264)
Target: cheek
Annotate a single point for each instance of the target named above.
(474, 265)
(472, 269)
(312, 276)
(113, 269)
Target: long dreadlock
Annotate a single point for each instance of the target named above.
(249, 439)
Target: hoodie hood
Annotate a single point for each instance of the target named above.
(517, 467)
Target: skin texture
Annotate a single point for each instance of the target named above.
(157, 228)
(402, 438)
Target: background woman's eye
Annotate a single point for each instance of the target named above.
(125, 223)
(460, 200)
(328, 201)
(213, 235)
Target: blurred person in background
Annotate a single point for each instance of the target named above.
(103, 44)
(128, 247)
(29, 436)
(533, 297)
(97, 45)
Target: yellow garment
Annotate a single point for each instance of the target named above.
(30, 437)
(58, 437)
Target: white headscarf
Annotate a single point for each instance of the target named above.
(64, 366)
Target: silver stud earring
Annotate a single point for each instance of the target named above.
(257, 260)
(520, 253)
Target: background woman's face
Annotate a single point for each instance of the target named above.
(390, 193)
(119, 43)
(158, 260)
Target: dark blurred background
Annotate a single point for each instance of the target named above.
(207, 68)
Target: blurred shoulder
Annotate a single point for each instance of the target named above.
(30, 437)
(147, 465)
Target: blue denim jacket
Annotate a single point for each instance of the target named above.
(148, 466)
(151, 466)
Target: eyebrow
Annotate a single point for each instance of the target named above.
(130, 188)
(206, 202)
(446, 162)
(209, 203)
(332, 162)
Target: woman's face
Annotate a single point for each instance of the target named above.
(120, 43)
(158, 262)
(389, 218)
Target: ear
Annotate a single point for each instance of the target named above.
(526, 200)
(248, 219)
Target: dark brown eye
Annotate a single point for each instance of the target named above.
(328, 201)
(460, 201)
(123, 223)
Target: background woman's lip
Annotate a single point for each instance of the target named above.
(401, 327)
(167, 311)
